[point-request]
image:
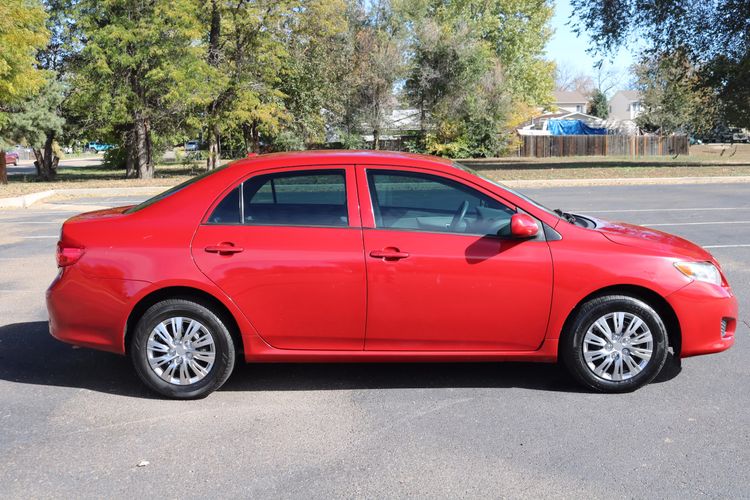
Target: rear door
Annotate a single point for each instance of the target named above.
(286, 246)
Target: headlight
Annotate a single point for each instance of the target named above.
(700, 271)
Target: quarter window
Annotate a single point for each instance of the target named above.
(228, 210)
(423, 202)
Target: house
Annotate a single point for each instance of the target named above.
(398, 125)
(572, 102)
(625, 106)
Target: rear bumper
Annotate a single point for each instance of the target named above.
(700, 309)
(90, 312)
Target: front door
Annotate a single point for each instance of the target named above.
(442, 273)
(286, 246)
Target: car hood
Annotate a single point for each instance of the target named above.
(644, 237)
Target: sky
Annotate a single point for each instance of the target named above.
(565, 48)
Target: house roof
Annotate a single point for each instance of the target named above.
(565, 97)
(631, 95)
(566, 115)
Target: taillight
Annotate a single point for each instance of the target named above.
(67, 256)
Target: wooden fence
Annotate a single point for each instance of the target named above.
(543, 146)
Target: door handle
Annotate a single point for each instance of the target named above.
(225, 248)
(389, 253)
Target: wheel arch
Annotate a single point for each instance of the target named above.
(187, 293)
(652, 298)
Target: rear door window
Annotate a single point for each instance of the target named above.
(298, 198)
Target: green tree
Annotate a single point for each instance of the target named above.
(22, 34)
(473, 63)
(44, 115)
(38, 122)
(672, 95)
(378, 64)
(268, 57)
(714, 37)
(142, 74)
(519, 31)
(314, 79)
(598, 105)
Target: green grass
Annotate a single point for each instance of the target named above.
(96, 176)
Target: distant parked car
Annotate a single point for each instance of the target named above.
(97, 147)
(11, 159)
(739, 135)
(192, 146)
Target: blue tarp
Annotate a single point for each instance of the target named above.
(573, 127)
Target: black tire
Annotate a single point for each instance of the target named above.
(572, 346)
(222, 340)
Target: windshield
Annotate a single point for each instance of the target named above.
(171, 191)
(511, 190)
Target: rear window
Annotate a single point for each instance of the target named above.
(171, 191)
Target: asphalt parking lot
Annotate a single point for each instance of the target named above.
(77, 423)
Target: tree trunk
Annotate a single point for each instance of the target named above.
(214, 34)
(127, 142)
(49, 167)
(39, 155)
(46, 160)
(246, 137)
(214, 147)
(214, 135)
(143, 163)
(256, 138)
(376, 139)
(3, 168)
(251, 136)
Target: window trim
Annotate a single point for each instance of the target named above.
(372, 196)
(349, 182)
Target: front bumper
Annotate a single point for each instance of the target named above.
(701, 308)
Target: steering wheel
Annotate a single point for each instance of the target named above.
(458, 217)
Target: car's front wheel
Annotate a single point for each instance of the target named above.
(182, 350)
(616, 343)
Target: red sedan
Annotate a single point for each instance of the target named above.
(372, 256)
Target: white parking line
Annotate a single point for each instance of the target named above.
(728, 246)
(659, 210)
(698, 223)
(39, 237)
(29, 222)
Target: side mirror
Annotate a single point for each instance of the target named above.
(523, 226)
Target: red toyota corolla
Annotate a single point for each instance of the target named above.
(372, 256)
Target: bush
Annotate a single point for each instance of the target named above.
(288, 141)
(115, 158)
(351, 141)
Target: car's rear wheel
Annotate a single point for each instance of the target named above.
(616, 343)
(182, 350)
